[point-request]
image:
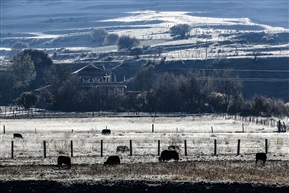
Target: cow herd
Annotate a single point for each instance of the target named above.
(170, 154)
(166, 155)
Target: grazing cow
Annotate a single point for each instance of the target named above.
(112, 160)
(261, 156)
(174, 147)
(64, 161)
(17, 135)
(122, 149)
(168, 155)
(105, 132)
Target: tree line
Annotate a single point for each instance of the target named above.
(219, 91)
(32, 79)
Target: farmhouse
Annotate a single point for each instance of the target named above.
(92, 76)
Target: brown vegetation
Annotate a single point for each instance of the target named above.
(274, 172)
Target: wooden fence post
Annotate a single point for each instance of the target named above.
(44, 148)
(186, 153)
(71, 148)
(101, 148)
(159, 147)
(238, 147)
(12, 149)
(4, 129)
(153, 128)
(215, 147)
(266, 146)
(212, 129)
(243, 128)
(130, 147)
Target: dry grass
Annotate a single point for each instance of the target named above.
(273, 172)
(220, 171)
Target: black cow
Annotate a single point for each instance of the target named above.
(122, 149)
(261, 156)
(112, 160)
(168, 155)
(17, 135)
(174, 147)
(105, 132)
(64, 161)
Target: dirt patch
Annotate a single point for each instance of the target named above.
(136, 187)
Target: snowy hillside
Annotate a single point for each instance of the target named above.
(219, 28)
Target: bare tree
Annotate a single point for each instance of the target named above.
(228, 85)
(23, 70)
(144, 78)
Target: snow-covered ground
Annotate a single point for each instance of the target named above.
(219, 28)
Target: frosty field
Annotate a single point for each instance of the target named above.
(85, 133)
(221, 30)
(200, 164)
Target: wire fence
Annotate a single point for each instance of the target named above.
(16, 112)
(28, 149)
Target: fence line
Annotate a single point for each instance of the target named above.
(16, 112)
(251, 119)
(214, 153)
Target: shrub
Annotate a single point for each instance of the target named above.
(180, 31)
(246, 108)
(27, 99)
(126, 42)
(98, 34)
(217, 102)
(110, 39)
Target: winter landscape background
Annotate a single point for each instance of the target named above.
(233, 31)
(225, 34)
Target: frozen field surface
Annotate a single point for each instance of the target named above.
(195, 135)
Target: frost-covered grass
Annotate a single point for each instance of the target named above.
(85, 133)
(199, 165)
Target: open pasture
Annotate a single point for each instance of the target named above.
(200, 138)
